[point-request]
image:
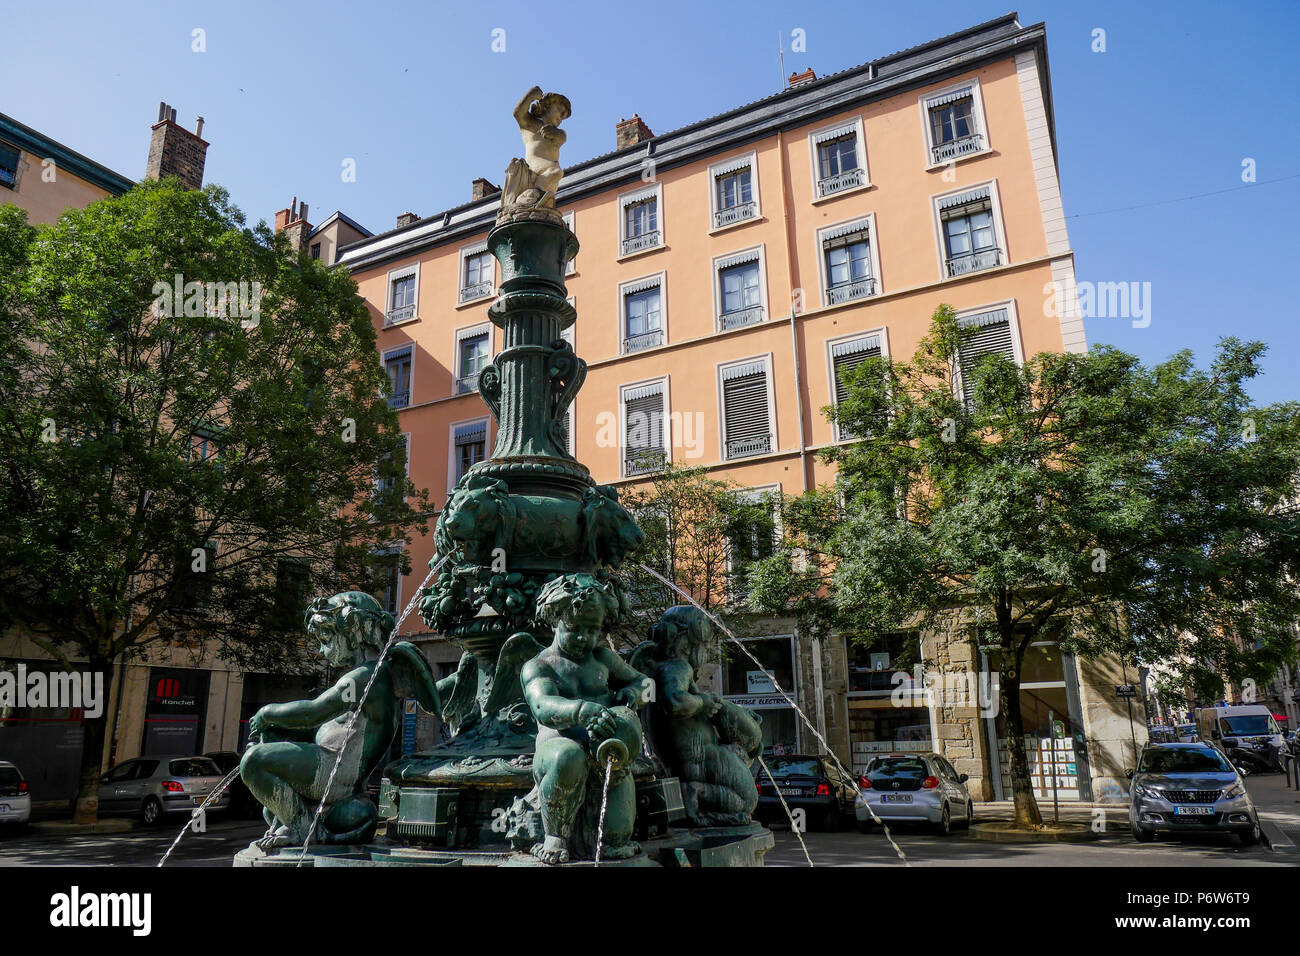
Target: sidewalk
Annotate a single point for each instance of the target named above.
(1116, 814)
(1279, 808)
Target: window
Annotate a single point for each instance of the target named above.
(469, 447)
(473, 348)
(846, 356)
(849, 261)
(735, 191)
(740, 289)
(384, 486)
(993, 335)
(204, 446)
(751, 535)
(567, 425)
(640, 225)
(292, 578)
(477, 273)
(9, 156)
(643, 320)
(388, 567)
(644, 441)
(569, 220)
(315, 250)
(402, 286)
(954, 123)
(398, 365)
(746, 410)
(838, 164)
(196, 577)
(969, 230)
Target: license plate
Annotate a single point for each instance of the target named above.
(1193, 811)
(791, 792)
(896, 798)
(4, 808)
(198, 800)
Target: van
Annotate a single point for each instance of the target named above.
(1249, 723)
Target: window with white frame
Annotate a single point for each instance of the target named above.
(640, 227)
(469, 447)
(477, 273)
(384, 486)
(473, 352)
(645, 447)
(954, 123)
(969, 232)
(569, 220)
(734, 190)
(9, 159)
(746, 409)
(838, 160)
(643, 315)
(397, 362)
(991, 332)
(849, 261)
(845, 357)
(403, 284)
(388, 564)
(739, 289)
(752, 534)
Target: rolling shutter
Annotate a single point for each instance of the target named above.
(992, 336)
(845, 357)
(744, 400)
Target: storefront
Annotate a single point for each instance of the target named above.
(887, 706)
(174, 711)
(754, 685)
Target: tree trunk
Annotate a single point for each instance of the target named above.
(94, 732)
(1022, 793)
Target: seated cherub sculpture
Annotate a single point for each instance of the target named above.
(294, 746)
(584, 697)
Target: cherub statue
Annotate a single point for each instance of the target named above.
(531, 182)
(294, 746)
(584, 697)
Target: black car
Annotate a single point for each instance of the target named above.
(242, 802)
(812, 784)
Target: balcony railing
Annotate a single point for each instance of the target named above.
(400, 314)
(647, 240)
(476, 291)
(831, 185)
(734, 320)
(744, 447)
(643, 461)
(399, 399)
(467, 383)
(734, 214)
(974, 261)
(643, 340)
(851, 290)
(957, 148)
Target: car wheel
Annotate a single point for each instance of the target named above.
(970, 814)
(944, 826)
(1142, 836)
(1250, 837)
(151, 812)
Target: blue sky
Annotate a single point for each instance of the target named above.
(414, 93)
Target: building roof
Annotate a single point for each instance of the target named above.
(68, 160)
(895, 73)
(341, 217)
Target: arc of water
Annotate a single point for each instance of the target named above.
(212, 795)
(785, 806)
(347, 733)
(789, 700)
(604, 805)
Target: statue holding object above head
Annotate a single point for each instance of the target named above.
(531, 182)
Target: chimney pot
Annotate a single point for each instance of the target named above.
(406, 218)
(480, 189)
(796, 79)
(174, 151)
(629, 132)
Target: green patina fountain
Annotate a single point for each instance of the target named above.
(563, 752)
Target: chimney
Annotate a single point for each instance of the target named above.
(629, 132)
(175, 151)
(481, 189)
(293, 223)
(406, 218)
(798, 79)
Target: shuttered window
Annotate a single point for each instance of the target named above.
(846, 356)
(471, 446)
(745, 410)
(398, 365)
(643, 429)
(992, 336)
(566, 426)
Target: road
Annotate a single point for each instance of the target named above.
(139, 847)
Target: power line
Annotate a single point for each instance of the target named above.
(1166, 202)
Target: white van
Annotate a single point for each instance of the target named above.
(1249, 723)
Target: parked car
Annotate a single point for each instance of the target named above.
(15, 798)
(1183, 788)
(921, 788)
(152, 787)
(813, 784)
(242, 802)
(1186, 734)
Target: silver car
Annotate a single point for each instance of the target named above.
(1186, 788)
(151, 787)
(922, 788)
(15, 798)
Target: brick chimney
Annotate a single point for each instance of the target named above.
(406, 218)
(293, 223)
(797, 79)
(481, 189)
(175, 151)
(629, 132)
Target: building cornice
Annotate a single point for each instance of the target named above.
(65, 159)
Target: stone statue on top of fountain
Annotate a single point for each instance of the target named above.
(531, 182)
(584, 697)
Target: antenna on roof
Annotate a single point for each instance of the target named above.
(780, 44)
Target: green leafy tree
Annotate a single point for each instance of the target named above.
(1124, 511)
(189, 468)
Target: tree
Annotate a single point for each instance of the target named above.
(193, 436)
(1121, 510)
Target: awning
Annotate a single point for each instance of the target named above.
(825, 136)
(869, 343)
(740, 371)
(739, 259)
(981, 319)
(950, 97)
(471, 333)
(961, 199)
(475, 249)
(640, 285)
(641, 195)
(642, 391)
(731, 165)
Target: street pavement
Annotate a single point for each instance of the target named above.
(143, 846)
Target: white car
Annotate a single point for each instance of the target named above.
(921, 788)
(15, 797)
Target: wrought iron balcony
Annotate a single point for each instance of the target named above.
(734, 320)
(400, 314)
(734, 214)
(643, 461)
(847, 179)
(974, 261)
(647, 240)
(476, 291)
(467, 383)
(745, 447)
(957, 148)
(851, 290)
(399, 399)
(643, 340)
